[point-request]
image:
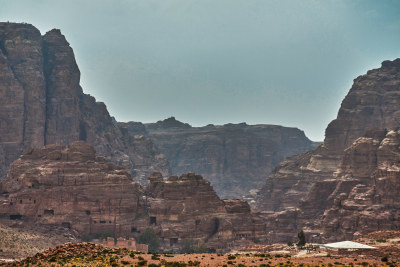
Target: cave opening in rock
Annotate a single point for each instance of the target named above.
(48, 212)
(66, 225)
(15, 217)
(173, 241)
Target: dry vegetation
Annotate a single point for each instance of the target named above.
(17, 241)
(87, 254)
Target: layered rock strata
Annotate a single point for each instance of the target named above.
(373, 203)
(188, 208)
(70, 186)
(372, 103)
(235, 158)
(306, 186)
(41, 102)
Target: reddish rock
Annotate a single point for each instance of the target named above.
(304, 186)
(69, 186)
(41, 103)
(235, 158)
(188, 208)
(374, 203)
(372, 103)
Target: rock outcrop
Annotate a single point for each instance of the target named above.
(188, 208)
(303, 187)
(41, 102)
(70, 186)
(372, 103)
(373, 203)
(235, 158)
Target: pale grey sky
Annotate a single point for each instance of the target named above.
(218, 61)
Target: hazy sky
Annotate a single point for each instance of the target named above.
(218, 61)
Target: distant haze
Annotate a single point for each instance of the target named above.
(217, 61)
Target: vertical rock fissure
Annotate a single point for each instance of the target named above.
(46, 80)
(2, 47)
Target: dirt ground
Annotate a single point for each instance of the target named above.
(87, 254)
(17, 241)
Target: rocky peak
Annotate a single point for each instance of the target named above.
(395, 64)
(306, 186)
(43, 103)
(169, 123)
(372, 103)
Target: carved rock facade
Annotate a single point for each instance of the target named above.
(188, 208)
(69, 186)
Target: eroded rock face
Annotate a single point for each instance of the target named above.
(304, 191)
(372, 103)
(188, 208)
(374, 202)
(235, 158)
(41, 102)
(71, 187)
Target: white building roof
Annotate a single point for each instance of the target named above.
(347, 245)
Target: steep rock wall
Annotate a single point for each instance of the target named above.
(235, 158)
(41, 102)
(69, 186)
(372, 103)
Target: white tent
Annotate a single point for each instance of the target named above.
(350, 245)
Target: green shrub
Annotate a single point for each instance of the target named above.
(175, 264)
(142, 263)
(150, 238)
(302, 239)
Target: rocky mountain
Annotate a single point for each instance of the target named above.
(41, 102)
(305, 186)
(235, 158)
(72, 188)
(188, 208)
(69, 186)
(372, 165)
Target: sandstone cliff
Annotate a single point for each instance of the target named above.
(41, 102)
(323, 191)
(235, 158)
(69, 186)
(372, 103)
(373, 203)
(188, 208)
